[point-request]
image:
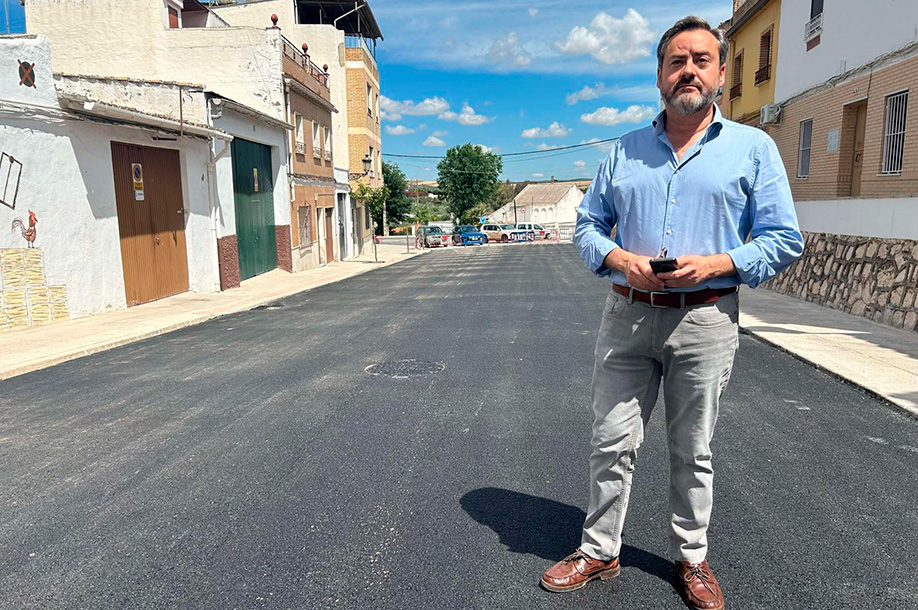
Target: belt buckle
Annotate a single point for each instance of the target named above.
(653, 304)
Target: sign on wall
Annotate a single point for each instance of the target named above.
(137, 175)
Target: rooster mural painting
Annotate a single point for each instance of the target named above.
(27, 234)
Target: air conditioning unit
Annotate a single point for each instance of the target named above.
(769, 114)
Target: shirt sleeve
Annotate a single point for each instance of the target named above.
(776, 240)
(595, 219)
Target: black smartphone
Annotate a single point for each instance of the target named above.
(663, 265)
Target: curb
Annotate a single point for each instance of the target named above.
(903, 409)
(76, 354)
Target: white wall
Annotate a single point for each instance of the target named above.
(887, 218)
(33, 50)
(854, 31)
(128, 38)
(67, 180)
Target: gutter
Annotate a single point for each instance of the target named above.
(86, 107)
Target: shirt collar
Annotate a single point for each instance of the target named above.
(659, 123)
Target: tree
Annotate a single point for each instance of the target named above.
(397, 203)
(504, 194)
(374, 199)
(468, 179)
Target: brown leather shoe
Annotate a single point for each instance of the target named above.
(700, 588)
(576, 570)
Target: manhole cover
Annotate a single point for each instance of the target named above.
(402, 369)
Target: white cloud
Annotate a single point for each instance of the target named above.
(440, 133)
(614, 116)
(610, 40)
(605, 146)
(433, 141)
(466, 117)
(635, 93)
(508, 50)
(579, 164)
(398, 130)
(392, 110)
(544, 146)
(554, 130)
(533, 12)
(538, 175)
(485, 149)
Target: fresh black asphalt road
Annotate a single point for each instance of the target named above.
(252, 462)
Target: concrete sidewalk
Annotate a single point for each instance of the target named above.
(881, 359)
(37, 347)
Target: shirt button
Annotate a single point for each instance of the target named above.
(669, 231)
(672, 201)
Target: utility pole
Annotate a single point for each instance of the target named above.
(515, 221)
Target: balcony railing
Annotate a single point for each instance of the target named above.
(736, 90)
(328, 155)
(301, 148)
(316, 152)
(813, 28)
(359, 42)
(763, 74)
(302, 60)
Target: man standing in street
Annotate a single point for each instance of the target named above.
(692, 186)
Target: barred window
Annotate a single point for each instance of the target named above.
(806, 144)
(894, 133)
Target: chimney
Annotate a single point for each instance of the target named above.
(552, 179)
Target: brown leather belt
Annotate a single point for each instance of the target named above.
(679, 300)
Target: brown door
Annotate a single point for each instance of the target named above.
(151, 221)
(329, 236)
(858, 161)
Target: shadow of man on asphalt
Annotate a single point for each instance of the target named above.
(546, 528)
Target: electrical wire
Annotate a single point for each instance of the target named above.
(513, 154)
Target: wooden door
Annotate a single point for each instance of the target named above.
(254, 193)
(329, 236)
(151, 222)
(860, 128)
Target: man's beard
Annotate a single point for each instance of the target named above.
(687, 103)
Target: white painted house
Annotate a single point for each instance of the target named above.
(241, 71)
(554, 203)
(97, 195)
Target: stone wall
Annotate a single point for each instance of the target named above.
(865, 276)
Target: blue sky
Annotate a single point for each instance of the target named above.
(16, 13)
(515, 75)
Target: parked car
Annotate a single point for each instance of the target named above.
(496, 232)
(432, 237)
(464, 235)
(533, 230)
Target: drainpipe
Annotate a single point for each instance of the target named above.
(212, 195)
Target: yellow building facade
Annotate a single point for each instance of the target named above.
(751, 61)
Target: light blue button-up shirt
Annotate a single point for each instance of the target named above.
(729, 186)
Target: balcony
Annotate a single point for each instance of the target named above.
(327, 155)
(299, 67)
(301, 148)
(813, 28)
(763, 74)
(736, 90)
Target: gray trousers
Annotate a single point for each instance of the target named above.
(691, 352)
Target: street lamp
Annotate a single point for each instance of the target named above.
(367, 162)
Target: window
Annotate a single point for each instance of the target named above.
(366, 213)
(300, 137)
(316, 142)
(372, 163)
(806, 143)
(815, 8)
(894, 133)
(737, 87)
(764, 71)
(173, 18)
(369, 100)
(303, 217)
(328, 149)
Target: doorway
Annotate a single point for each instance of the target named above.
(857, 159)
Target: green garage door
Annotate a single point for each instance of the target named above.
(254, 208)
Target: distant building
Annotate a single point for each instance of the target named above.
(546, 203)
(750, 83)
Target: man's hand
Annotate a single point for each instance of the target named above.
(694, 269)
(636, 269)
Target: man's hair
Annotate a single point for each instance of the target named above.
(692, 23)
